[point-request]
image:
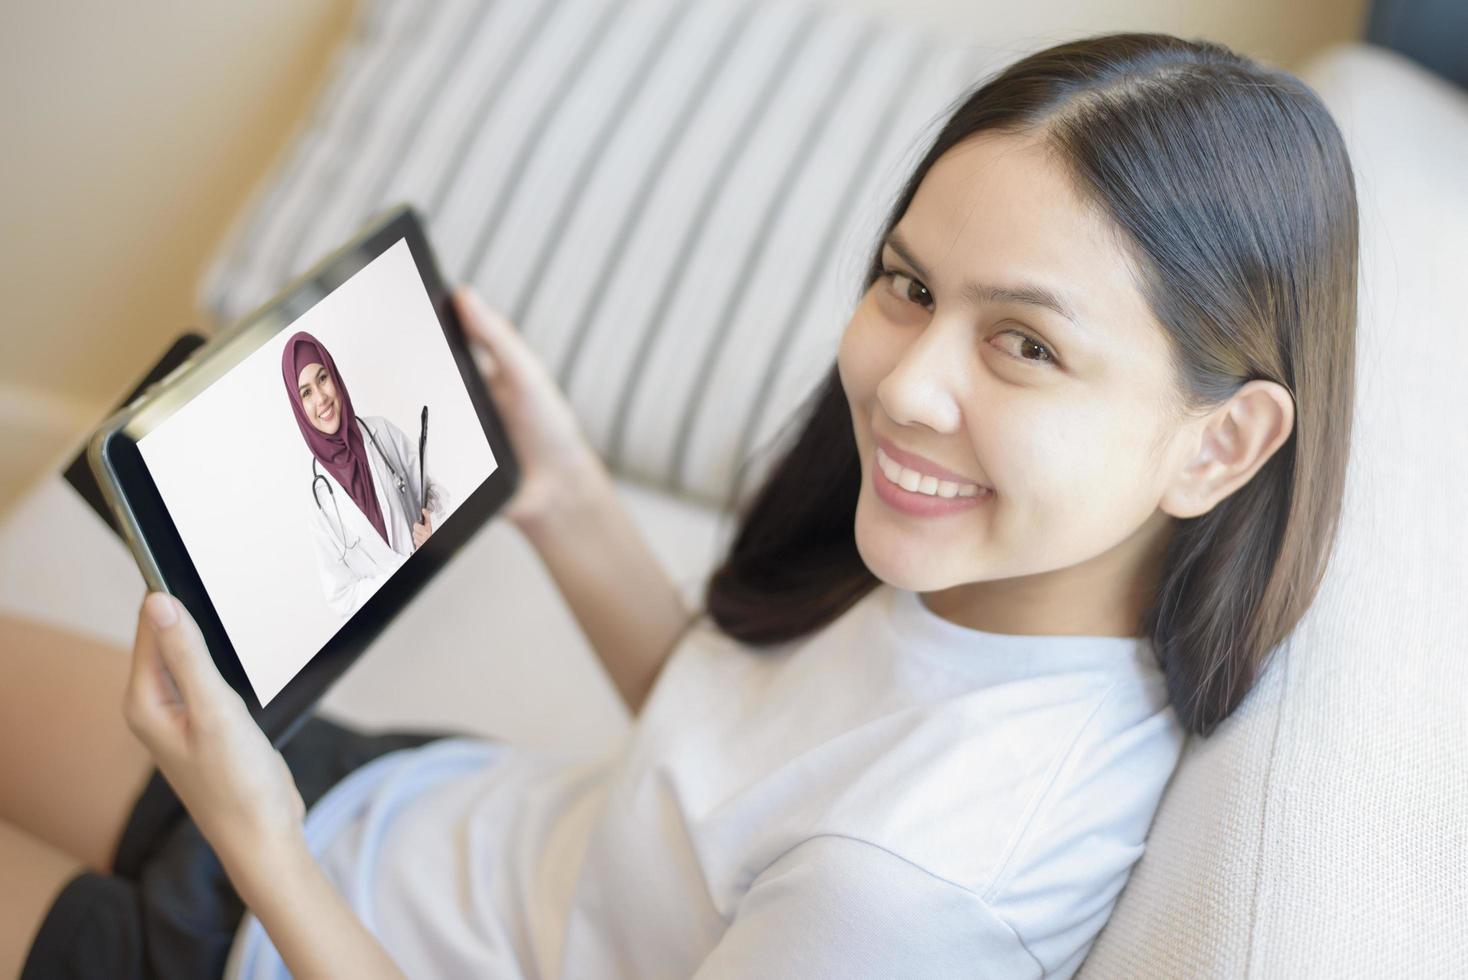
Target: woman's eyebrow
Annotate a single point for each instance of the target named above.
(1030, 294)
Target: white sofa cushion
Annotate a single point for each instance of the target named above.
(673, 199)
(1322, 831)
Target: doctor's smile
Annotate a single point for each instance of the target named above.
(318, 395)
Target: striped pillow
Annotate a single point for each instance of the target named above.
(674, 200)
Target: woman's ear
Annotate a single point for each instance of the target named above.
(1231, 444)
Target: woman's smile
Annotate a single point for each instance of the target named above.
(910, 497)
(328, 413)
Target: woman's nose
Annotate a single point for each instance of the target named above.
(924, 385)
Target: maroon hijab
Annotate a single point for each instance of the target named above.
(343, 453)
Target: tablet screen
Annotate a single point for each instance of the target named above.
(298, 480)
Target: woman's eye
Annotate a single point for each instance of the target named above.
(1028, 344)
(906, 288)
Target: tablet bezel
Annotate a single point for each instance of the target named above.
(155, 540)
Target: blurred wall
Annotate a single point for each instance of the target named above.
(134, 131)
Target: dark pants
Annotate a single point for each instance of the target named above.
(168, 909)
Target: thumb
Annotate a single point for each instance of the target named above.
(493, 330)
(183, 651)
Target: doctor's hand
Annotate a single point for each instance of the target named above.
(557, 462)
(221, 766)
(422, 530)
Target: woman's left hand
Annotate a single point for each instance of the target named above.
(234, 783)
(423, 530)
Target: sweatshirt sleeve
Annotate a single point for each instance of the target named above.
(837, 906)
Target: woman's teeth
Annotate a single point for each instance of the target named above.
(918, 483)
(328, 413)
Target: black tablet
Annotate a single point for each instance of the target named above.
(303, 474)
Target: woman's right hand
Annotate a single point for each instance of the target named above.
(557, 463)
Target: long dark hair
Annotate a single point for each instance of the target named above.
(1230, 183)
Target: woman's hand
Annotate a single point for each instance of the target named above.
(557, 463)
(422, 530)
(234, 783)
(241, 795)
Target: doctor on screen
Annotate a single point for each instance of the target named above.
(367, 508)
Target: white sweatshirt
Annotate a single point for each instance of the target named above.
(894, 795)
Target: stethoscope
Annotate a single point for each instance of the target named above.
(402, 486)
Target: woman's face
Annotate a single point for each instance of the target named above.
(318, 398)
(1065, 422)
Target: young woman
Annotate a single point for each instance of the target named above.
(366, 463)
(1074, 474)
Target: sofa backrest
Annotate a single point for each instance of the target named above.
(674, 201)
(1322, 830)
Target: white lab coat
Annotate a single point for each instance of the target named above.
(350, 576)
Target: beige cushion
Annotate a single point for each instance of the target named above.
(1322, 831)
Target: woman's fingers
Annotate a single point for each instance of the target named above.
(494, 332)
(479, 344)
(183, 650)
(219, 763)
(178, 647)
(422, 529)
(152, 700)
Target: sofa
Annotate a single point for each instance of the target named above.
(717, 199)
